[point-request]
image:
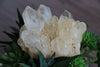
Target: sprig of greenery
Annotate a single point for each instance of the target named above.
(90, 40)
(78, 62)
(14, 55)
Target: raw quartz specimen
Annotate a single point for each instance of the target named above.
(49, 34)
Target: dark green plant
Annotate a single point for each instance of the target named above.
(78, 62)
(90, 40)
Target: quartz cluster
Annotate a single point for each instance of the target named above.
(49, 33)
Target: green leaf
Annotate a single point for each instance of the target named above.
(17, 49)
(51, 60)
(18, 24)
(12, 55)
(5, 42)
(14, 29)
(24, 65)
(7, 58)
(43, 62)
(9, 34)
(21, 21)
(78, 62)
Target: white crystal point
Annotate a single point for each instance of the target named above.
(30, 38)
(69, 39)
(81, 27)
(65, 48)
(33, 20)
(46, 13)
(64, 15)
(31, 42)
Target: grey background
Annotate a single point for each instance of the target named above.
(83, 10)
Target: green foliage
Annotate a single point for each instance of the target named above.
(51, 60)
(93, 42)
(55, 62)
(14, 54)
(21, 21)
(15, 34)
(78, 62)
(43, 62)
(90, 40)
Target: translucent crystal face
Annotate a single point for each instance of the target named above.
(50, 34)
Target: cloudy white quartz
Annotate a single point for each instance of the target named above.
(49, 33)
